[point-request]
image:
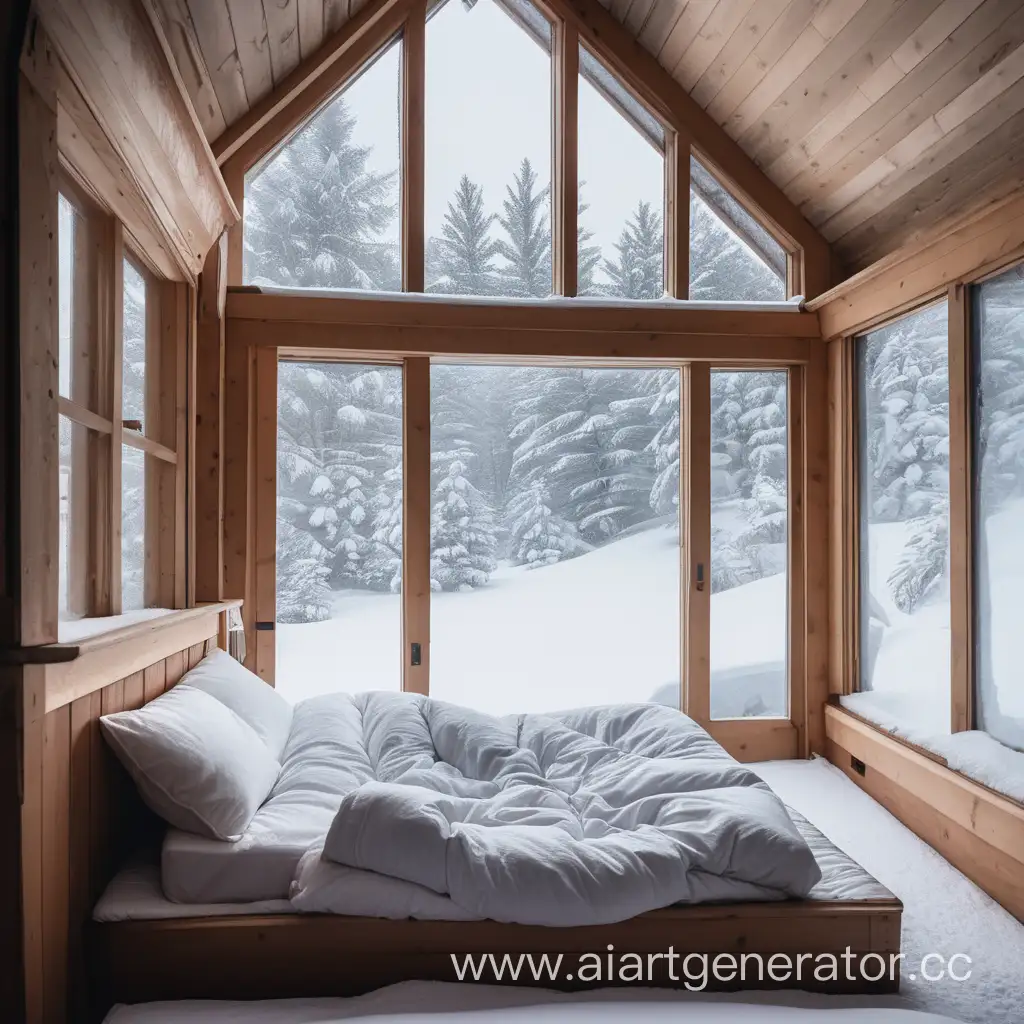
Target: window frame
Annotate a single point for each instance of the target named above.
(568, 34)
(747, 738)
(99, 256)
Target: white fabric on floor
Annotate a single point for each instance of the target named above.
(430, 1002)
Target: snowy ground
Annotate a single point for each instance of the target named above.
(944, 912)
(598, 629)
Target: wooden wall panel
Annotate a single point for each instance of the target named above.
(80, 818)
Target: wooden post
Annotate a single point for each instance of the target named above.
(565, 69)
(413, 166)
(264, 598)
(237, 420)
(695, 509)
(416, 525)
(209, 429)
(961, 547)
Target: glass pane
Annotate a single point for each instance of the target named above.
(554, 536)
(621, 248)
(749, 543)
(133, 380)
(322, 211)
(999, 495)
(339, 528)
(732, 257)
(903, 377)
(65, 290)
(133, 528)
(488, 150)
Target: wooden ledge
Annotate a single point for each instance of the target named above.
(991, 817)
(99, 660)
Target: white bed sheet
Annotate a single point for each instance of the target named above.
(415, 1002)
(135, 893)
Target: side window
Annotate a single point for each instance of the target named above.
(134, 425)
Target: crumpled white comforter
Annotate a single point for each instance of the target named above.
(583, 817)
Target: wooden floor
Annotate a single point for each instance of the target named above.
(313, 955)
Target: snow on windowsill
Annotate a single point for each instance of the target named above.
(70, 631)
(556, 301)
(974, 754)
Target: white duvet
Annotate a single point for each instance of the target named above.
(584, 817)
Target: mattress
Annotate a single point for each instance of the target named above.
(135, 893)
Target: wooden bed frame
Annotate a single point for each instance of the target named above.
(88, 820)
(279, 956)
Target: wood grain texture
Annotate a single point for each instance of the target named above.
(81, 818)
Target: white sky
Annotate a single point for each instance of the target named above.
(488, 104)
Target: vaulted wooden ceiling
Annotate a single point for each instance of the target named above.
(880, 119)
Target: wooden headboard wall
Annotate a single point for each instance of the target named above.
(81, 815)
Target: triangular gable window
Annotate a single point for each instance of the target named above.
(322, 211)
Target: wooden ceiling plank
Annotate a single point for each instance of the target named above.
(709, 42)
(932, 84)
(282, 21)
(619, 9)
(994, 82)
(276, 114)
(835, 16)
(686, 27)
(213, 29)
(969, 184)
(848, 60)
(766, 54)
(750, 31)
(935, 30)
(639, 13)
(929, 162)
(311, 26)
(188, 55)
(660, 22)
(252, 46)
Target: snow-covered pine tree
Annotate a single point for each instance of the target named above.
(315, 216)
(462, 533)
(133, 466)
(538, 536)
(527, 250)
(303, 593)
(721, 266)
(465, 253)
(664, 411)
(588, 257)
(639, 271)
(382, 568)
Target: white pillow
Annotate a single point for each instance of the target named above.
(255, 702)
(196, 763)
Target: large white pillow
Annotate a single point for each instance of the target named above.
(256, 703)
(195, 762)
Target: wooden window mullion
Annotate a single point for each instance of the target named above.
(416, 524)
(116, 371)
(961, 547)
(695, 523)
(565, 69)
(413, 229)
(265, 508)
(677, 215)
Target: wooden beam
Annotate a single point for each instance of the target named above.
(582, 317)
(299, 93)
(38, 343)
(667, 99)
(979, 244)
(209, 441)
(117, 56)
(565, 71)
(375, 343)
(264, 601)
(961, 491)
(414, 64)
(416, 525)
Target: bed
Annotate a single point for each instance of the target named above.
(398, 832)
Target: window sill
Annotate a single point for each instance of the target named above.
(73, 670)
(993, 818)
